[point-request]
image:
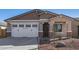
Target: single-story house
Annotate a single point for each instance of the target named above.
(41, 23)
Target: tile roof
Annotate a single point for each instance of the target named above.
(32, 14)
(36, 14)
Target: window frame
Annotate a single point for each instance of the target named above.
(21, 25)
(27, 25)
(56, 29)
(14, 25)
(34, 25)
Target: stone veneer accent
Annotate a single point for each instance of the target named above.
(40, 34)
(51, 35)
(8, 34)
(69, 34)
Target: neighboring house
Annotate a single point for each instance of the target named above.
(2, 30)
(2, 25)
(40, 23)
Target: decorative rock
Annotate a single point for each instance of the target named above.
(60, 44)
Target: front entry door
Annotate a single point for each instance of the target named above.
(46, 29)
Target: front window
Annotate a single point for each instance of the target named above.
(14, 25)
(58, 27)
(28, 25)
(21, 25)
(34, 25)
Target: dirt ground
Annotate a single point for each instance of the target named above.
(71, 44)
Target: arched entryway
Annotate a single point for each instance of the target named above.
(46, 29)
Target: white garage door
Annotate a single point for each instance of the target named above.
(25, 30)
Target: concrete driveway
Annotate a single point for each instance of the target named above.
(18, 43)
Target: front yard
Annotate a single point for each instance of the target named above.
(32, 44)
(70, 44)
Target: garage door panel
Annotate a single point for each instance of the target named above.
(30, 30)
(16, 32)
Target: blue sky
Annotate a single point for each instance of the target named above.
(7, 13)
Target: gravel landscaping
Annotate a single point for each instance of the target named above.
(69, 44)
(32, 44)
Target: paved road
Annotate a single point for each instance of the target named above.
(18, 43)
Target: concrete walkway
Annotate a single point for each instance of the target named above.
(18, 43)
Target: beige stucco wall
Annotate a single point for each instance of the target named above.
(42, 21)
(75, 25)
(66, 25)
(69, 26)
